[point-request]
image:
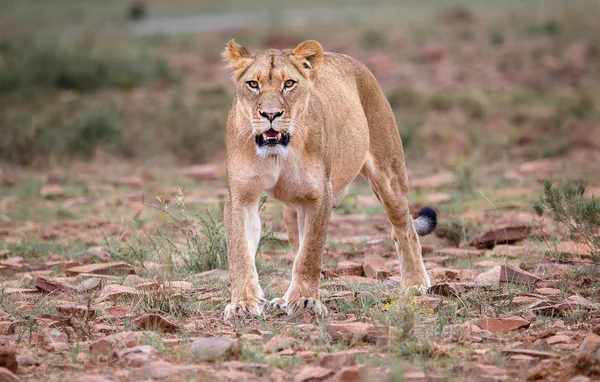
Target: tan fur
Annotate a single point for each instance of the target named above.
(340, 125)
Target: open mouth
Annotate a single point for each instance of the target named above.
(272, 137)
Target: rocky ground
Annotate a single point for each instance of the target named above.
(513, 299)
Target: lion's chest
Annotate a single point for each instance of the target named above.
(295, 182)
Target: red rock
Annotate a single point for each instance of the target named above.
(375, 268)
(113, 291)
(572, 249)
(51, 285)
(529, 352)
(335, 360)
(8, 360)
(350, 374)
(503, 325)
(558, 339)
(548, 291)
(279, 343)
(596, 329)
(590, 344)
(511, 274)
(7, 376)
(155, 322)
(118, 268)
(505, 235)
(312, 373)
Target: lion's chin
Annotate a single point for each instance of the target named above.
(268, 151)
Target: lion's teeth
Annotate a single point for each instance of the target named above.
(265, 136)
(278, 136)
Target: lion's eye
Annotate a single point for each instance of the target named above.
(289, 83)
(253, 84)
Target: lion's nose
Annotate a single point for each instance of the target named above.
(271, 116)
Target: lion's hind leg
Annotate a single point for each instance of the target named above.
(388, 180)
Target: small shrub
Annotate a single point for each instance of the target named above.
(457, 230)
(405, 98)
(207, 250)
(496, 37)
(466, 177)
(546, 28)
(75, 130)
(570, 208)
(372, 38)
(32, 66)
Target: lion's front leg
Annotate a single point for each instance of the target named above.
(303, 293)
(242, 225)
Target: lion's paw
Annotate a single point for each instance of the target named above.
(242, 309)
(278, 303)
(307, 304)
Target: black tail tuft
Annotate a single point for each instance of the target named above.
(426, 221)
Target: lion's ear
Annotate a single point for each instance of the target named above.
(237, 56)
(310, 55)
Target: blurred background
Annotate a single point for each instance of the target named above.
(471, 82)
(103, 102)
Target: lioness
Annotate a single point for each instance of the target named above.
(302, 126)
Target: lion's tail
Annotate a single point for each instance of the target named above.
(426, 221)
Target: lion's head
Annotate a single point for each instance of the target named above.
(273, 89)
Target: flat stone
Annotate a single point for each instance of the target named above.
(514, 275)
(51, 285)
(503, 325)
(548, 291)
(137, 356)
(118, 268)
(375, 268)
(155, 322)
(505, 235)
(529, 352)
(312, 373)
(558, 339)
(113, 291)
(212, 348)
